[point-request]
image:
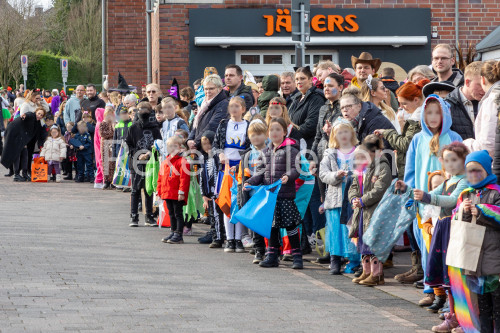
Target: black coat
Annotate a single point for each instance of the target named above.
(328, 112)
(217, 110)
(244, 92)
(371, 119)
(141, 136)
(305, 113)
(462, 124)
(90, 104)
(17, 135)
(220, 136)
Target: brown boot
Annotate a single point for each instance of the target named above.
(427, 300)
(413, 267)
(417, 274)
(366, 270)
(377, 276)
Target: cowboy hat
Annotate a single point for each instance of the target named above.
(366, 57)
(430, 88)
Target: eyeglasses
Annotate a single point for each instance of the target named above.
(347, 107)
(440, 58)
(151, 92)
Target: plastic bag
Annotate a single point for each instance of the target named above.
(234, 199)
(152, 171)
(389, 221)
(39, 170)
(121, 176)
(258, 213)
(224, 199)
(194, 206)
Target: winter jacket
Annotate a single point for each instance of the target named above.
(489, 263)
(84, 140)
(29, 106)
(370, 118)
(244, 92)
(419, 159)
(91, 104)
(174, 178)
(17, 135)
(485, 126)
(376, 180)
(72, 110)
(456, 78)
(401, 142)
(61, 124)
(270, 84)
(121, 130)
(462, 124)
(54, 149)
(327, 174)
(496, 159)
(209, 121)
(328, 112)
(274, 164)
(220, 136)
(140, 139)
(209, 173)
(305, 113)
(289, 98)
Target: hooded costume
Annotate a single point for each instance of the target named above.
(419, 159)
(99, 115)
(270, 84)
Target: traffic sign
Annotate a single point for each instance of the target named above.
(64, 65)
(24, 61)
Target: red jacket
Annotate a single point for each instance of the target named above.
(174, 177)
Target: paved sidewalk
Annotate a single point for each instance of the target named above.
(70, 263)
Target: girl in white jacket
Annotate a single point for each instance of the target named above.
(54, 151)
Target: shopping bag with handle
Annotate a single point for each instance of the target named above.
(224, 199)
(258, 213)
(121, 176)
(152, 171)
(39, 170)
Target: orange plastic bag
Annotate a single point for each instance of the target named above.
(224, 199)
(39, 170)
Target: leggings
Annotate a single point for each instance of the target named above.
(293, 237)
(21, 164)
(489, 311)
(233, 231)
(54, 165)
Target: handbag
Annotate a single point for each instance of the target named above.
(152, 171)
(466, 240)
(39, 170)
(121, 176)
(258, 213)
(394, 213)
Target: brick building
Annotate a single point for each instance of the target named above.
(188, 35)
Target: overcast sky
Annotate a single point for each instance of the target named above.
(46, 3)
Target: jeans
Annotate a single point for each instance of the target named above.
(138, 183)
(84, 166)
(176, 215)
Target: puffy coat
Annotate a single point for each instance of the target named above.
(275, 163)
(305, 113)
(486, 122)
(53, 149)
(376, 180)
(270, 84)
(244, 92)
(462, 124)
(209, 121)
(328, 112)
(29, 106)
(371, 119)
(401, 142)
(327, 174)
(489, 263)
(174, 177)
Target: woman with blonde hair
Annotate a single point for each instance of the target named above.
(373, 90)
(33, 101)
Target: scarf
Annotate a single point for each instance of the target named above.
(203, 108)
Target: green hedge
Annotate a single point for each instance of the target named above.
(44, 71)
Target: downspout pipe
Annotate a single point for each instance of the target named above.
(148, 41)
(104, 38)
(457, 31)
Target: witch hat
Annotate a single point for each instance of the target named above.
(175, 93)
(123, 87)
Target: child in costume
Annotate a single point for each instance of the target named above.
(67, 164)
(173, 187)
(82, 143)
(169, 122)
(274, 164)
(231, 138)
(54, 151)
(334, 172)
(99, 177)
(371, 179)
(107, 131)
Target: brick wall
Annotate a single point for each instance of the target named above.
(477, 19)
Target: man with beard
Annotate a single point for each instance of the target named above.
(92, 102)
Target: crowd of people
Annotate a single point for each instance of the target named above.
(328, 145)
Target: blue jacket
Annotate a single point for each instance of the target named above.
(419, 159)
(82, 140)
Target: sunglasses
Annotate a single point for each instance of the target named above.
(151, 92)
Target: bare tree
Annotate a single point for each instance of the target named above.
(83, 39)
(21, 31)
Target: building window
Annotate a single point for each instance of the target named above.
(247, 59)
(273, 59)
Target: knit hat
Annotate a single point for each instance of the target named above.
(482, 157)
(210, 135)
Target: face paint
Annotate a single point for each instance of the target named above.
(334, 91)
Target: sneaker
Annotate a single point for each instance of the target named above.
(207, 239)
(106, 185)
(230, 246)
(251, 251)
(258, 258)
(150, 221)
(450, 322)
(239, 247)
(58, 178)
(166, 239)
(19, 178)
(247, 242)
(99, 186)
(216, 244)
(187, 231)
(176, 239)
(134, 220)
(457, 330)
